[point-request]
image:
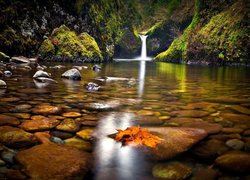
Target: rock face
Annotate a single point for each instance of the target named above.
(72, 74)
(52, 161)
(176, 141)
(15, 137)
(234, 161)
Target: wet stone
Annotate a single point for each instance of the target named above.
(8, 120)
(68, 125)
(235, 144)
(53, 161)
(103, 106)
(22, 115)
(232, 130)
(39, 124)
(145, 113)
(22, 108)
(3, 84)
(9, 99)
(61, 134)
(89, 123)
(8, 156)
(15, 137)
(148, 121)
(72, 114)
(34, 91)
(205, 174)
(72, 74)
(176, 141)
(171, 170)
(47, 109)
(240, 109)
(190, 113)
(246, 132)
(210, 149)
(210, 128)
(79, 144)
(234, 161)
(85, 134)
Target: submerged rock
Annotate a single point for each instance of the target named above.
(85, 134)
(8, 120)
(39, 124)
(171, 170)
(53, 161)
(68, 125)
(15, 137)
(235, 144)
(72, 114)
(176, 141)
(210, 128)
(190, 113)
(103, 106)
(79, 144)
(47, 109)
(234, 161)
(72, 74)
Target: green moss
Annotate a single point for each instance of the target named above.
(47, 48)
(154, 28)
(65, 42)
(90, 44)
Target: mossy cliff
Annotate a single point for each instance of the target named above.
(67, 44)
(218, 34)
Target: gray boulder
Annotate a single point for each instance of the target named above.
(72, 74)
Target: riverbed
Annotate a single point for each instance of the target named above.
(145, 93)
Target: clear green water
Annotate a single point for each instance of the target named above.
(159, 87)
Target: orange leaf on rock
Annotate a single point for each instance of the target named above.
(137, 136)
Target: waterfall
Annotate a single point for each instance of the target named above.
(143, 47)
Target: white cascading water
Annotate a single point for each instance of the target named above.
(143, 47)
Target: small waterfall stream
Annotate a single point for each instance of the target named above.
(143, 47)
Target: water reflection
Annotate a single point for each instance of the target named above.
(141, 78)
(112, 160)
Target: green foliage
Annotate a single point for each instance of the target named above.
(66, 43)
(47, 48)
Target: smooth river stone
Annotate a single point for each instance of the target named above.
(68, 125)
(210, 128)
(236, 118)
(79, 144)
(8, 120)
(103, 106)
(85, 134)
(145, 112)
(21, 115)
(39, 124)
(172, 170)
(47, 109)
(22, 108)
(72, 114)
(190, 113)
(228, 100)
(240, 109)
(15, 137)
(53, 161)
(148, 121)
(176, 141)
(181, 121)
(234, 161)
(9, 99)
(199, 105)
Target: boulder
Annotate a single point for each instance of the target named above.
(234, 161)
(3, 84)
(20, 60)
(41, 73)
(8, 120)
(54, 161)
(176, 141)
(15, 137)
(72, 74)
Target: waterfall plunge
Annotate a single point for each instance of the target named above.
(143, 47)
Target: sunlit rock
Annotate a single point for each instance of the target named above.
(15, 137)
(53, 161)
(85, 134)
(68, 125)
(8, 120)
(40, 124)
(72, 114)
(176, 141)
(47, 109)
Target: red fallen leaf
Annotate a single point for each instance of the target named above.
(137, 136)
